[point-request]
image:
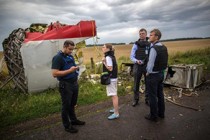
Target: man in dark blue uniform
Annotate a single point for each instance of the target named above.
(66, 71)
(158, 60)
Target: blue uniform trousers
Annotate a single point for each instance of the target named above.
(69, 94)
(156, 97)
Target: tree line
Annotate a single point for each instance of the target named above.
(176, 39)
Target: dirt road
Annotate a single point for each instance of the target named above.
(180, 123)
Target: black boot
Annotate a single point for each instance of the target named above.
(147, 102)
(77, 122)
(71, 129)
(136, 102)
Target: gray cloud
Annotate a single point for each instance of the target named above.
(117, 21)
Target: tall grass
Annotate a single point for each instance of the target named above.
(201, 56)
(16, 106)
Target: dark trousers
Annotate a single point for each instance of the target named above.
(156, 96)
(69, 94)
(138, 71)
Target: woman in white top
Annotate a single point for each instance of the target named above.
(110, 66)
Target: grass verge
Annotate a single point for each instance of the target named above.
(18, 107)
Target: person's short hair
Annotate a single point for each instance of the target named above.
(68, 43)
(142, 29)
(157, 33)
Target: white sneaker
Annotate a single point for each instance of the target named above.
(111, 111)
(113, 116)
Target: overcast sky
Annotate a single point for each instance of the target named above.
(116, 20)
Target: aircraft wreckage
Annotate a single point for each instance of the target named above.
(28, 52)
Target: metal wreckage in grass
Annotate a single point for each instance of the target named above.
(28, 52)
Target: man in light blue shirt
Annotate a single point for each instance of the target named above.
(139, 56)
(158, 60)
(152, 56)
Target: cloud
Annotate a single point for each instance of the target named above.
(117, 21)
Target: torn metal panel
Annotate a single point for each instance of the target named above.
(185, 76)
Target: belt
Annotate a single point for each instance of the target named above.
(71, 80)
(157, 72)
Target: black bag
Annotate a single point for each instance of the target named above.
(105, 79)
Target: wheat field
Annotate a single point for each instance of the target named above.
(124, 50)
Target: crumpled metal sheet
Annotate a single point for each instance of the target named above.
(185, 76)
